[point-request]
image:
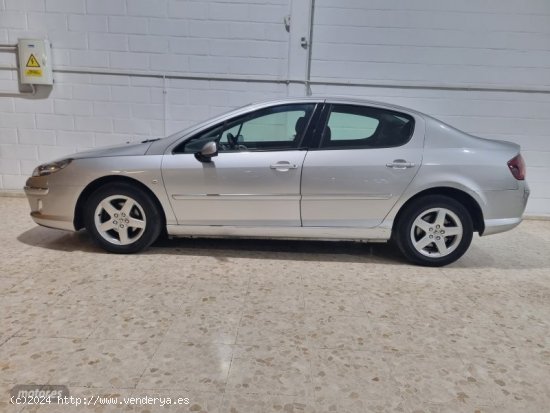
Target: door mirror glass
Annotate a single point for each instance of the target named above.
(208, 151)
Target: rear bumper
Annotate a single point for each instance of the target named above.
(504, 209)
(494, 226)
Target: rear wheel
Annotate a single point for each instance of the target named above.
(434, 231)
(122, 218)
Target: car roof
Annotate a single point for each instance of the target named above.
(159, 146)
(336, 99)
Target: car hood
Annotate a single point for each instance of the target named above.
(128, 149)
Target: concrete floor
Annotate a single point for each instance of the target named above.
(276, 326)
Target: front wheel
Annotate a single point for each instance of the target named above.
(434, 231)
(122, 219)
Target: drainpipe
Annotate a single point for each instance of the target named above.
(310, 47)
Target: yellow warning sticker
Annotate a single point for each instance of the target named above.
(32, 62)
(33, 72)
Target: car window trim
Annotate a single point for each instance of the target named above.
(310, 140)
(327, 110)
(316, 108)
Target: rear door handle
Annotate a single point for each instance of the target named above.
(400, 164)
(283, 166)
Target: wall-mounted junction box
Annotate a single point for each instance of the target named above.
(35, 63)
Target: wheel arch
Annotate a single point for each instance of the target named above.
(469, 202)
(111, 179)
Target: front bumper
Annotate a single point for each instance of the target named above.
(51, 206)
(52, 221)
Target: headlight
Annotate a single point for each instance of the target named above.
(50, 168)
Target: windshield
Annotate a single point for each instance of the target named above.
(182, 132)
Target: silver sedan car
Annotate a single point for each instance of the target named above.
(304, 168)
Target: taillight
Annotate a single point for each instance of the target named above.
(517, 167)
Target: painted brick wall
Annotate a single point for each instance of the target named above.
(414, 47)
(245, 38)
(503, 44)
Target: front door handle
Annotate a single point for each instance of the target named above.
(400, 164)
(283, 166)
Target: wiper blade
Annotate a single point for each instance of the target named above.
(150, 140)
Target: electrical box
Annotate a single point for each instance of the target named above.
(35, 63)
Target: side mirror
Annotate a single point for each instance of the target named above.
(208, 151)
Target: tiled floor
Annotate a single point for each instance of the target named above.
(275, 326)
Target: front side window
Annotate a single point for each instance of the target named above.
(351, 126)
(276, 128)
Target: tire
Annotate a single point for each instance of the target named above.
(434, 231)
(122, 218)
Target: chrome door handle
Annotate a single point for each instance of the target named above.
(283, 166)
(400, 164)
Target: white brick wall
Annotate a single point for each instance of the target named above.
(87, 110)
(495, 43)
(499, 43)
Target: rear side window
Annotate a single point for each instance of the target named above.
(362, 127)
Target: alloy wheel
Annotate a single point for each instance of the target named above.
(436, 232)
(120, 219)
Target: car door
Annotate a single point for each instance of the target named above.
(365, 159)
(254, 180)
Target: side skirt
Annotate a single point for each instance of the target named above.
(319, 233)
